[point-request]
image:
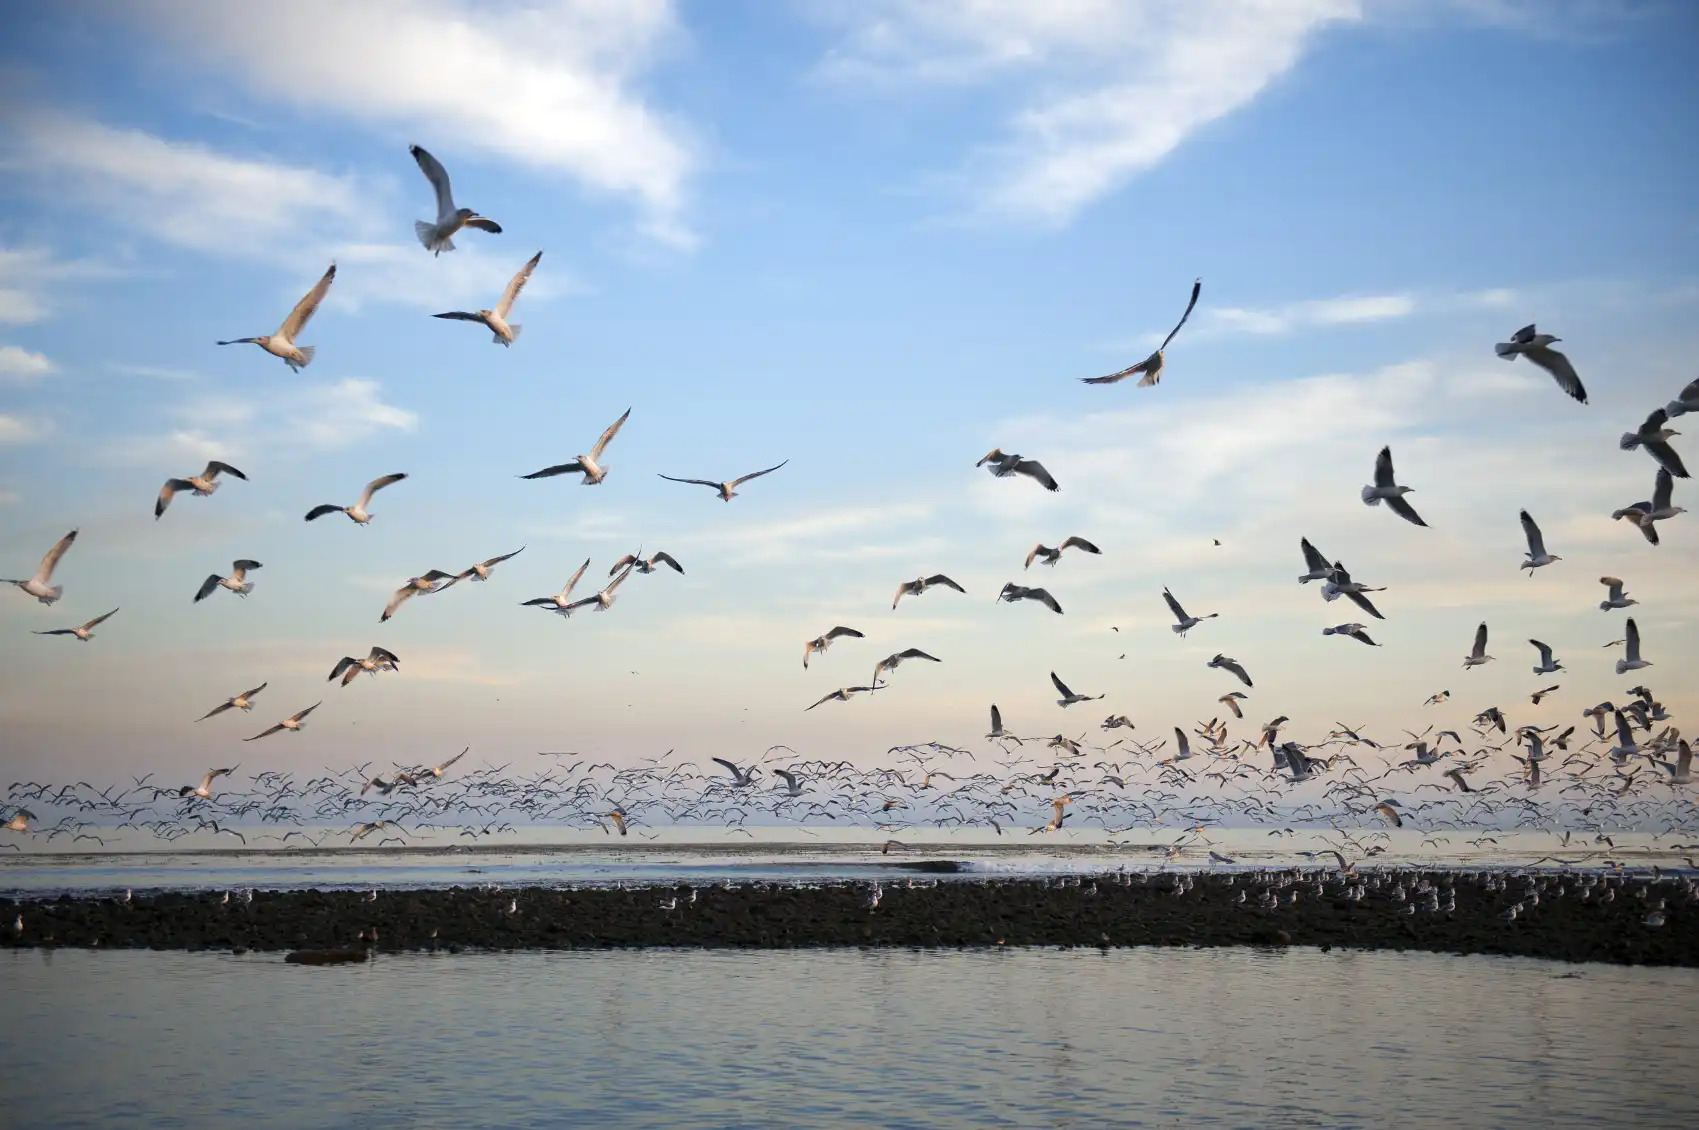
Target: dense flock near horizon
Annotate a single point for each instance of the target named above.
(1619, 765)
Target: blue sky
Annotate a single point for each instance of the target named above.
(876, 239)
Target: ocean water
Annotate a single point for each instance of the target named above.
(1028, 1038)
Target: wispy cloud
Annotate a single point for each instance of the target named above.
(1318, 312)
(1114, 88)
(345, 413)
(21, 366)
(819, 532)
(17, 430)
(26, 274)
(151, 372)
(551, 86)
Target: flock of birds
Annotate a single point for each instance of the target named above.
(1594, 778)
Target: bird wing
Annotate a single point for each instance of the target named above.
(698, 482)
(1032, 468)
(1559, 367)
(1545, 652)
(1362, 601)
(997, 718)
(1080, 543)
(1312, 556)
(628, 559)
(1480, 640)
(1174, 606)
(842, 631)
(1197, 288)
(576, 577)
(1141, 367)
(461, 316)
(304, 309)
(1032, 554)
(941, 579)
(44, 573)
(342, 665)
(1614, 585)
(558, 469)
(757, 474)
(169, 491)
(498, 560)
(617, 581)
(1401, 507)
(321, 511)
(1185, 742)
(438, 176)
(916, 653)
(661, 555)
(1043, 597)
(240, 568)
(837, 694)
(303, 713)
(1631, 639)
(264, 733)
(255, 691)
(607, 436)
(1536, 543)
(1667, 456)
(1383, 468)
(1061, 687)
(58, 632)
(219, 709)
(1234, 666)
(215, 468)
(378, 484)
(207, 586)
(401, 594)
(722, 761)
(515, 285)
(1662, 488)
(98, 620)
(485, 223)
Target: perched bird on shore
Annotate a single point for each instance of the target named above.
(1042, 552)
(1151, 367)
(1002, 466)
(437, 237)
(357, 513)
(84, 632)
(727, 491)
(821, 642)
(37, 586)
(587, 465)
(1537, 347)
(202, 484)
(237, 582)
(921, 584)
(282, 343)
(1386, 489)
(495, 320)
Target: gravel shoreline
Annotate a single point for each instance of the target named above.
(1561, 917)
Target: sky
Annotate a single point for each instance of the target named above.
(876, 239)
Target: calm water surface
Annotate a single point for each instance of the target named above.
(843, 1038)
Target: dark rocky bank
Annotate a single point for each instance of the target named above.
(1613, 920)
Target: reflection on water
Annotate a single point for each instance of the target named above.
(842, 1038)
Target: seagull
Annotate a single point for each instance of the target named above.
(741, 778)
(357, 512)
(236, 582)
(482, 570)
(1385, 489)
(821, 643)
(1387, 812)
(1341, 584)
(1639, 514)
(1654, 438)
(1615, 597)
(496, 320)
(434, 581)
(558, 602)
(921, 584)
(1456, 776)
(891, 662)
(793, 787)
(1547, 664)
(437, 237)
(587, 465)
(728, 491)
(1069, 697)
(1317, 568)
(293, 722)
(19, 821)
(1478, 655)
(439, 770)
(1537, 555)
(1540, 694)
(1013, 592)
(1002, 466)
(842, 694)
(243, 701)
(380, 659)
(204, 789)
(1537, 347)
(202, 484)
(1151, 366)
(282, 343)
(36, 586)
(997, 732)
(1660, 509)
(1232, 666)
(84, 633)
(1687, 401)
(1231, 701)
(1184, 623)
(1681, 772)
(361, 831)
(1051, 556)
(603, 600)
(1059, 813)
(1631, 660)
(636, 561)
(1358, 632)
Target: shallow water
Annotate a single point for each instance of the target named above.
(836, 1038)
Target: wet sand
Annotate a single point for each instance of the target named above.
(1097, 911)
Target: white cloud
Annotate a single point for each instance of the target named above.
(152, 372)
(22, 366)
(345, 413)
(821, 532)
(16, 430)
(25, 273)
(1116, 87)
(549, 85)
(1317, 312)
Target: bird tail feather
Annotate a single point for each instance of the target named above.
(1506, 350)
(307, 352)
(1370, 497)
(428, 237)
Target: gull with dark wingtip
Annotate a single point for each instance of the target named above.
(587, 465)
(202, 484)
(357, 513)
(437, 237)
(495, 320)
(727, 491)
(1537, 347)
(1386, 489)
(282, 343)
(1151, 366)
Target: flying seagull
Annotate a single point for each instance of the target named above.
(37, 586)
(1051, 556)
(1547, 664)
(1537, 555)
(282, 343)
(84, 633)
(202, 484)
(496, 320)
(997, 732)
(1387, 490)
(357, 512)
(1357, 632)
(1316, 567)
(1340, 584)
(243, 701)
(822, 642)
(482, 570)
(646, 565)
(1183, 623)
(921, 584)
(204, 789)
(1013, 592)
(1537, 347)
(1231, 701)
(1478, 654)
(1687, 401)
(380, 659)
(1614, 597)
(1654, 438)
(1151, 366)
(741, 778)
(434, 581)
(842, 694)
(236, 582)
(587, 465)
(1231, 666)
(295, 722)
(727, 491)
(603, 600)
(1069, 697)
(558, 602)
(1631, 660)
(891, 662)
(437, 237)
(1002, 466)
